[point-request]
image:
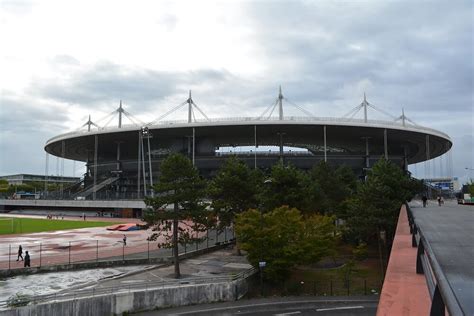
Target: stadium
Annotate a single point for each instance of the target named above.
(123, 161)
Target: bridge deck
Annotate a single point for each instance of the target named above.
(449, 230)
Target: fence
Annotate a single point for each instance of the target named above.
(332, 287)
(442, 296)
(87, 250)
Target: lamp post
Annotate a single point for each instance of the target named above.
(262, 263)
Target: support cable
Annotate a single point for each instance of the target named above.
(200, 111)
(268, 109)
(299, 107)
(167, 113)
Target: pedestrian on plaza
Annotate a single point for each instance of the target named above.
(124, 240)
(424, 199)
(439, 200)
(20, 253)
(27, 259)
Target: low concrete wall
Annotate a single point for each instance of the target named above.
(142, 300)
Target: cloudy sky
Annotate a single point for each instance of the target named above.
(63, 60)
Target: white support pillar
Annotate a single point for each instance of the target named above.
(428, 164)
(46, 171)
(139, 163)
(385, 144)
(149, 166)
(325, 144)
(367, 157)
(63, 153)
(143, 166)
(255, 152)
(96, 147)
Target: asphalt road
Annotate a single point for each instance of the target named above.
(449, 229)
(297, 306)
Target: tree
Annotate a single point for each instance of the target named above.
(181, 187)
(284, 238)
(330, 187)
(233, 190)
(376, 205)
(287, 186)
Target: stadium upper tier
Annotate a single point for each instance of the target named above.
(325, 136)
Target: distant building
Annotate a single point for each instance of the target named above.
(17, 179)
(445, 184)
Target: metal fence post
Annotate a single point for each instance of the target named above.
(40, 254)
(69, 252)
(97, 250)
(207, 238)
(365, 286)
(437, 304)
(148, 250)
(123, 252)
(419, 253)
(348, 287)
(184, 247)
(225, 234)
(331, 288)
(9, 255)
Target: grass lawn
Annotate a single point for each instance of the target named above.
(364, 278)
(10, 225)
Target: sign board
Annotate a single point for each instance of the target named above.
(262, 264)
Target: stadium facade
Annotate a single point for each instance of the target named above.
(124, 161)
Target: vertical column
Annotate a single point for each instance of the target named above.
(385, 145)
(367, 157)
(427, 157)
(118, 156)
(139, 155)
(46, 171)
(194, 145)
(143, 165)
(96, 147)
(281, 146)
(255, 152)
(405, 158)
(63, 153)
(280, 105)
(149, 165)
(325, 144)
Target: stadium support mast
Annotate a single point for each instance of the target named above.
(280, 105)
(190, 107)
(365, 103)
(120, 111)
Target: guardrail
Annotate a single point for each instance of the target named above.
(441, 293)
(145, 286)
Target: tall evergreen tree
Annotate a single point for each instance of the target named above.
(177, 212)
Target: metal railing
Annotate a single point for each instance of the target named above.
(441, 293)
(89, 251)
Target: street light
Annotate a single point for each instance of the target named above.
(470, 169)
(262, 263)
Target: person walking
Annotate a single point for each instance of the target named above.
(424, 199)
(27, 259)
(20, 253)
(439, 200)
(124, 240)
